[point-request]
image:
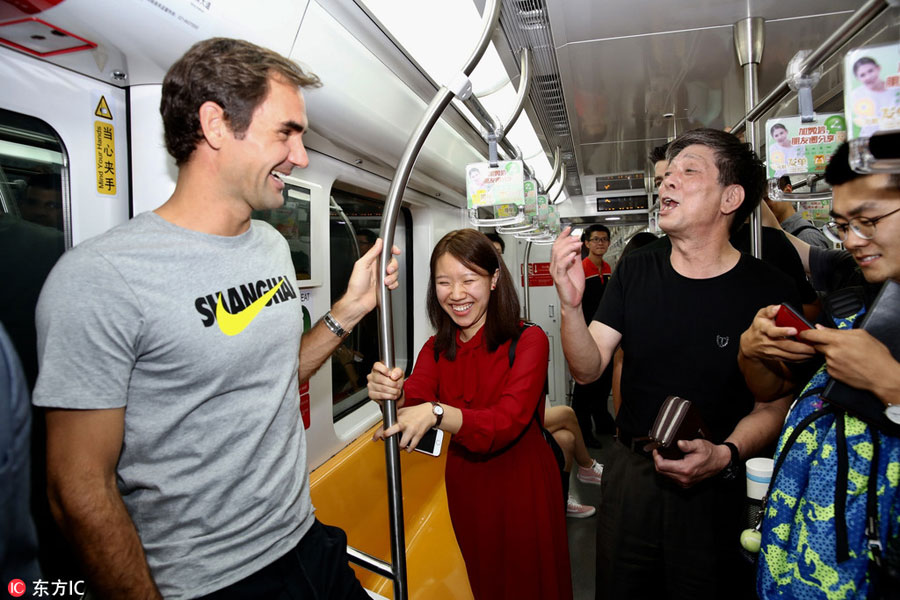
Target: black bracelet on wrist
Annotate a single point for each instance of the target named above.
(733, 468)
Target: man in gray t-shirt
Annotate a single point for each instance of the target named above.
(170, 359)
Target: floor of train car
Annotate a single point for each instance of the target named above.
(582, 532)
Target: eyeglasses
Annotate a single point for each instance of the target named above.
(863, 227)
(598, 240)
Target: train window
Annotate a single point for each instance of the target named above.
(292, 220)
(34, 223)
(355, 222)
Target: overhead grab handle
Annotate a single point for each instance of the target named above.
(495, 189)
(798, 146)
(803, 83)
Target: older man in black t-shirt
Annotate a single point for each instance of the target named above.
(671, 526)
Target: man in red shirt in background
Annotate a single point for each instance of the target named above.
(590, 400)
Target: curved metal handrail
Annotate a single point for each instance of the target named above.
(557, 169)
(561, 187)
(440, 101)
(522, 92)
(340, 211)
(862, 17)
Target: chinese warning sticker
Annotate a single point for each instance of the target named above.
(105, 153)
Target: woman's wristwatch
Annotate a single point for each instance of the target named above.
(438, 411)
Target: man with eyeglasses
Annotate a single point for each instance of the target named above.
(589, 401)
(597, 271)
(866, 219)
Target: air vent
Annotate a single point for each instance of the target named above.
(525, 24)
(531, 14)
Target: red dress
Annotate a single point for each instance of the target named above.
(503, 486)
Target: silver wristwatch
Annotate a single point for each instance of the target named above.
(335, 327)
(438, 411)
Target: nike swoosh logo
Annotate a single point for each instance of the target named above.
(233, 324)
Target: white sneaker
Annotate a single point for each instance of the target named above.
(592, 474)
(578, 511)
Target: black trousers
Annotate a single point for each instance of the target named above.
(315, 569)
(590, 401)
(657, 540)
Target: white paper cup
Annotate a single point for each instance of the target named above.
(759, 474)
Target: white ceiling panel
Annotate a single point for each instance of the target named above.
(580, 20)
(623, 65)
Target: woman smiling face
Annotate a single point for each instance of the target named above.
(463, 292)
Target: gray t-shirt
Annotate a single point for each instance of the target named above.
(213, 464)
(806, 231)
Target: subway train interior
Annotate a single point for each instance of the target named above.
(580, 91)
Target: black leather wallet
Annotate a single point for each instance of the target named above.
(677, 419)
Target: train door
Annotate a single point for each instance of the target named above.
(63, 179)
(543, 309)
(89, 118)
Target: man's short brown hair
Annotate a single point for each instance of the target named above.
(232, 73)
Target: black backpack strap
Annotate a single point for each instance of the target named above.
(512, 358)
(512, 344)
(801, 426)
(844, 303)
(872, 533)
(512, 353)
(842, 549)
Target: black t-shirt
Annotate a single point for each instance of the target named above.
(681, 336)
(778, 251)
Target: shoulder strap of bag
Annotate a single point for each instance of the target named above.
(512, 353)
(523, 325)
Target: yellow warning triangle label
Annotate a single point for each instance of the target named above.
(103, 109)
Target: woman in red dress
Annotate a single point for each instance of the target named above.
(503, 484)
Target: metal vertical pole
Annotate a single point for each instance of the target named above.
(440, 101)
(527, 291)
(749, 40)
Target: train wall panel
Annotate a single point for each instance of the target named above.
(68, 102)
